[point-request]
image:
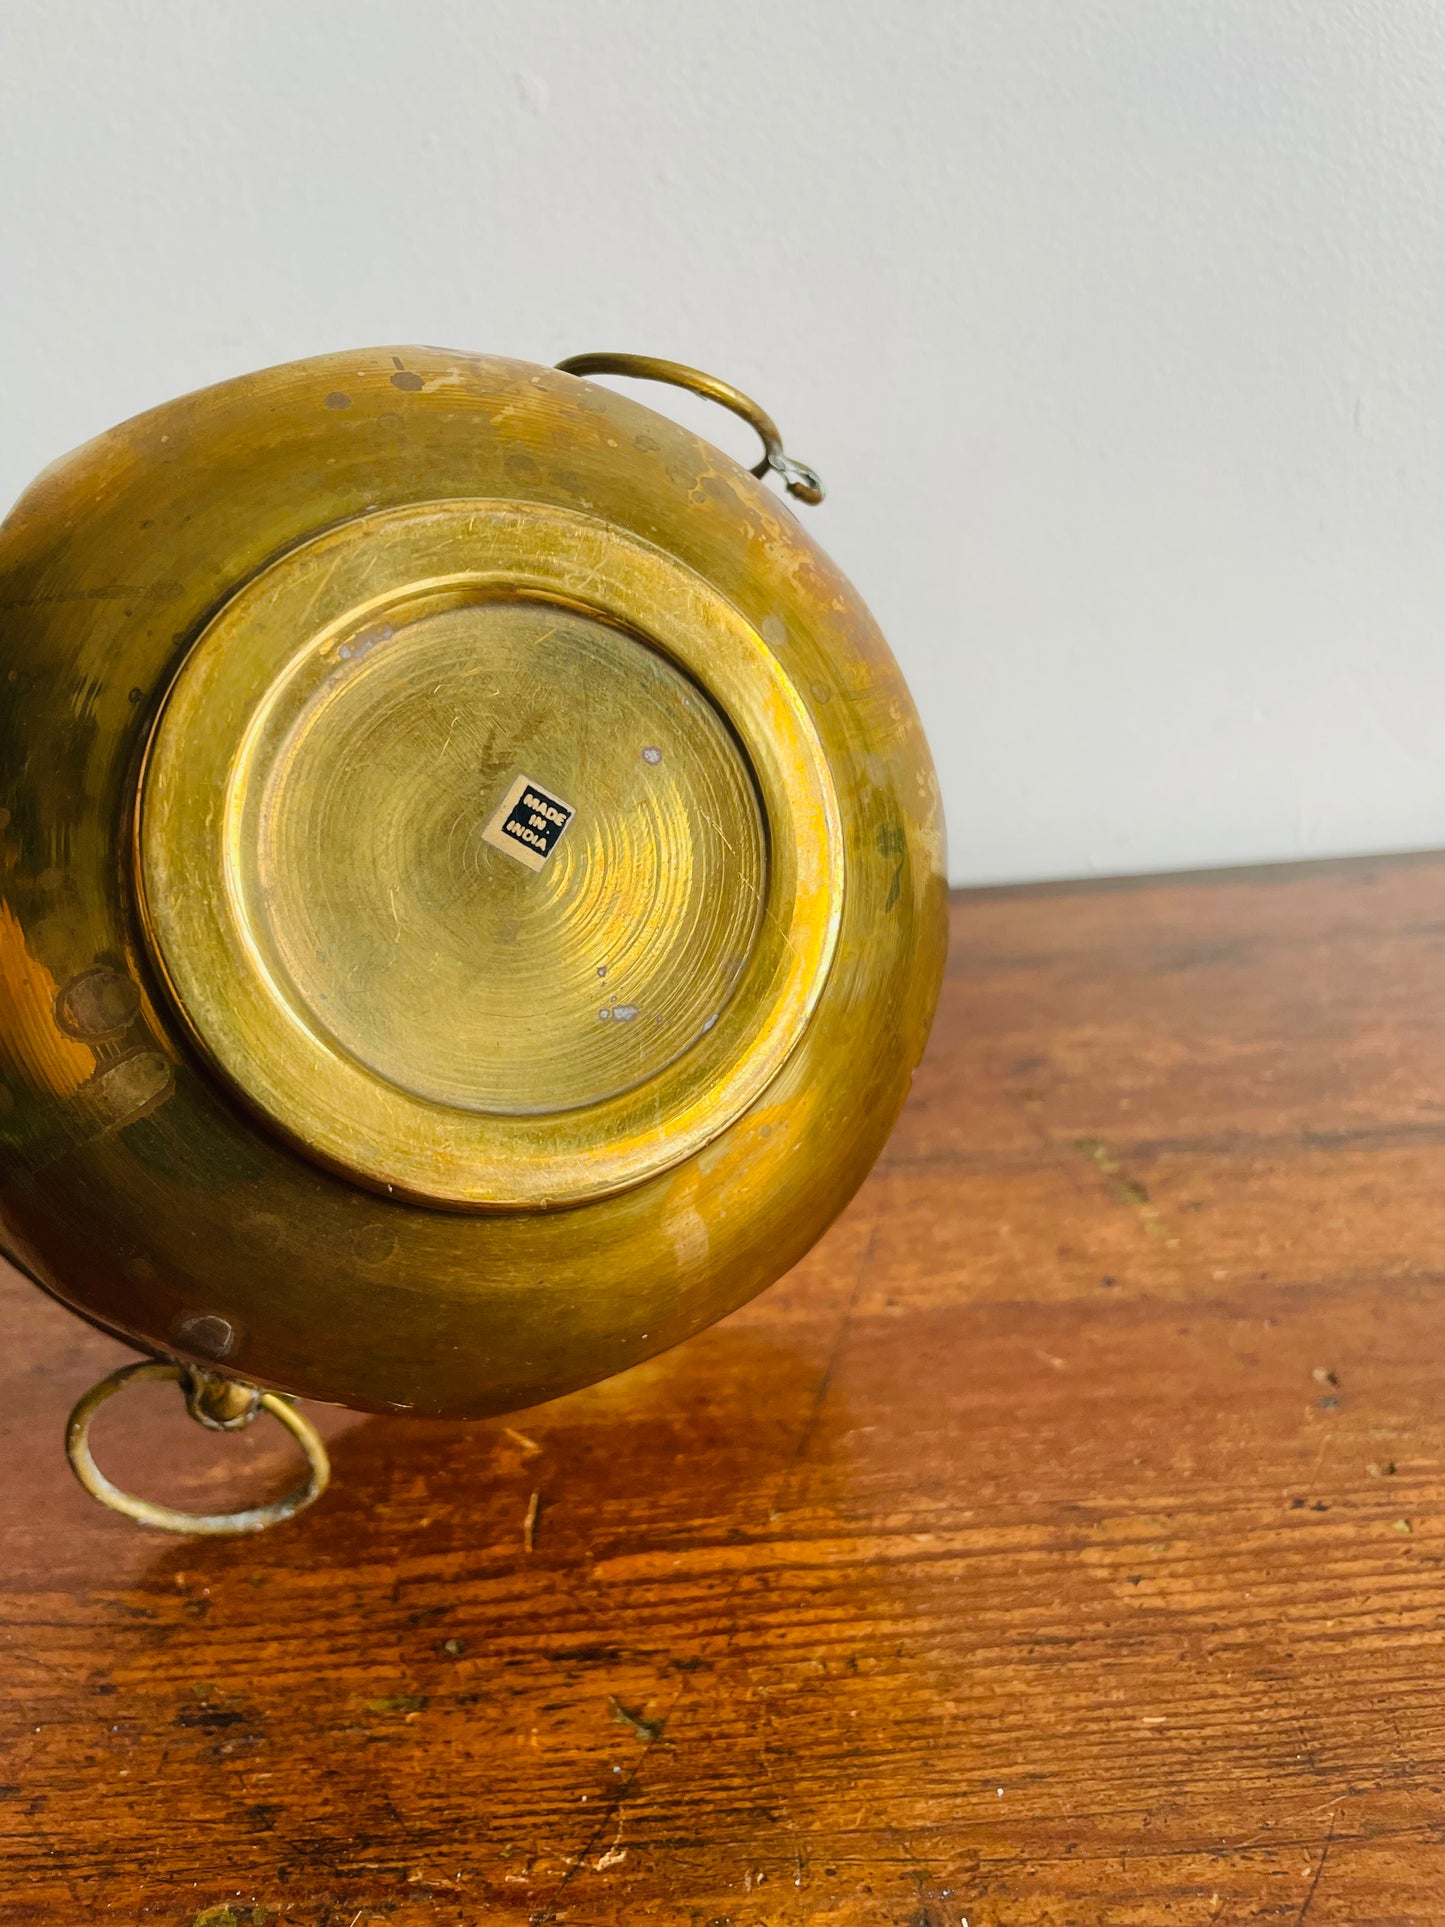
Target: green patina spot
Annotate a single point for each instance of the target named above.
(399, 1703)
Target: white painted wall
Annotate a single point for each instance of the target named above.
(1117, 328)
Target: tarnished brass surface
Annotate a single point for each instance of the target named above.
(312, 1073)
(398, 992)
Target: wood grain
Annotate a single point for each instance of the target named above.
(1061, 1544)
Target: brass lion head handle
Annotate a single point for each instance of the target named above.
(799, 480)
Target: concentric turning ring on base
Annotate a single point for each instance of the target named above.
(490, 853)
(168, 1518)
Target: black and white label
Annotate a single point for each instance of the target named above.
(528, 823)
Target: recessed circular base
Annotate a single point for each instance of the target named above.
(481, 971)
(489, 853)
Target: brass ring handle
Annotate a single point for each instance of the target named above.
(800, 480)
(222, 1405)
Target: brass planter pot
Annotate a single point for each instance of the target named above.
(473, 894)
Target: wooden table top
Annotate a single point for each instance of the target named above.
(1061, 1543)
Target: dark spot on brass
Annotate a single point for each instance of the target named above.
(892, 840)
(265, 1227)
(337, 400)
(407, 381)
(98, 1003)
(136, 695)
(374, 1244)
(207, 1333)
